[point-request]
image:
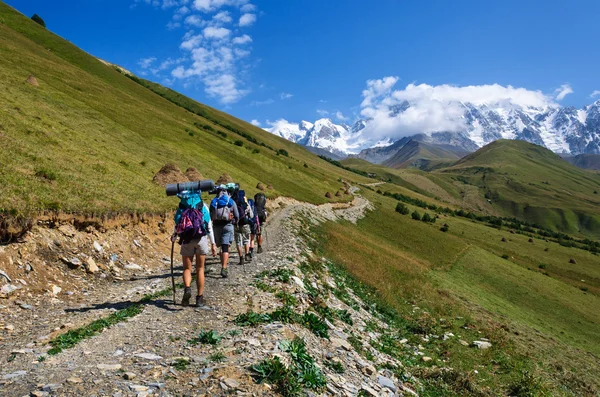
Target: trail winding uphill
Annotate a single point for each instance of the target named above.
(151, 353)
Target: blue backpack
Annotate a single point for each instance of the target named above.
(221, 209)
(191, 222)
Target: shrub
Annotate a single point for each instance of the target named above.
(426, 217)
(445, 228)
(37, 19)
(239, 143)
(402, 209)
(275, 372)
(283, 152)
(305, 165)
(211, 337)
(416, 216)
(255, 151)
(191, 133)
(505, 256)
(542, 265)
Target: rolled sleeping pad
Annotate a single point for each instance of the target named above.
(197, 186)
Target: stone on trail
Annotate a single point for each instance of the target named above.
(75, 380)
(72, 262)
(3, 274)
(148, 356)
(129, 375)
(426, 359)
(298, 282)
(133, 266)
(90, 265)
(98, 247)
(39, 393)
(109, 367)
(232, 383)
(387, 383)
(13, 375)
(8, 289)
(56, 290)
(369, 391)
(482, 345)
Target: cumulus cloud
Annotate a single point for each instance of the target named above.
(255, 123)
(262, 103)
(214, 57)
(281, 124)
(435, 108)
(563, 91)
(247, 19)
(145, 63)
(340, 116)
(595, 94)
(322, 112)
(285, 95)
(244, 39)
(215, 33)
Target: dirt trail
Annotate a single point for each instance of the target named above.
(146, 345)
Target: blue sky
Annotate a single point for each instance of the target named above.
(301, 59)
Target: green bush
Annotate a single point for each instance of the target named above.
(402, 209)
(211, 337)
(445, 228)
(239, 143)
(37, 19)
(416, 216)
(426, 217)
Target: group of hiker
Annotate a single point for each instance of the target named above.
(203, 228)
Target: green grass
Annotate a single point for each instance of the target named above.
(89, 139)
(210, 337)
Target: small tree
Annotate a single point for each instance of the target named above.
(415, 215)
(426, 217)
(239, 143)
(36, 18)
(402, 209)
(445, 228)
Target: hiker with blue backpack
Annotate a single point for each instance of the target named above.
(260, 203)
(224, 214)
(254, 226)
(243, 228)
(194, 228)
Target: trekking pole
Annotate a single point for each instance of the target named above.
(172, 273)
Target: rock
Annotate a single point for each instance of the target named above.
(328, 195)
(368, 370)
(98, 247)
(387, 383)
(39, 393)
(426, 359)
(72, 262)
(13, 375)
(403, 341)
(32, 80)
(148, 356)
(109, 367)
(337, 343)
(260, 186)
(51, 387)
(133, 266)
(447, 336)
(137, 243)
(8, 289)
(26, 306)
(3, 274)
(232, 383)
(464, 343)
(9, 327)
(573, 261)
(129, 375)
(90, 265)
(482, 345)
(369, 391)
(75, 380)
(298, 282)
(56, 290)
(138, 387)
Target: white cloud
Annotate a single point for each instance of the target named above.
(563, 91)
(435, 108)
(242, 39)
(222, 17)
(247, 19)
(322, 101)
(281, 124)
(145, 63)
(248, 8)
(322, 112)
(216, 33)
(224, 87)
(195, 20)
(213, 5)
(340, 116)
(595, 94)
(255, 123)
(173, 25)
(191, 41)
(285, 95)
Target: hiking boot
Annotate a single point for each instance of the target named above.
(187, 294)
(248, 257)
(200, 302)
(241, 261)
(259, 250)
(224, 273)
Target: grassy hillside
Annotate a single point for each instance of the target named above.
(420, 155)
(585, 161)
(537, 309)
(89, 139)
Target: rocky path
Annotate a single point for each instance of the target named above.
(153, 353)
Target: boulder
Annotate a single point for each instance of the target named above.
(329, 195)
(32, 80)
(261, 187)
(90, 265)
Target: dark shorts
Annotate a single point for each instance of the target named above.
(224, 234)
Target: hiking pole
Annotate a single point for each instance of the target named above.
(172, 273)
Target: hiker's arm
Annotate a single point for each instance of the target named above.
(236, 214)
(211, 234)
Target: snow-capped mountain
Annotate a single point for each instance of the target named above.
(561, 129)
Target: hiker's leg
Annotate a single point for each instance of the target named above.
(200, 260)
(224, 255)
(187, 271)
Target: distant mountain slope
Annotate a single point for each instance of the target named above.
(532, 183)
(415, 153)
(585, 161)
(89, 139)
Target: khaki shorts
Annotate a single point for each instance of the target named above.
(195, 247)
(242, 235)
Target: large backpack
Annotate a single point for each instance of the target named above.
(260, 201)
(254, 218)
(244, 209)
(221, 210)
(190, 222)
